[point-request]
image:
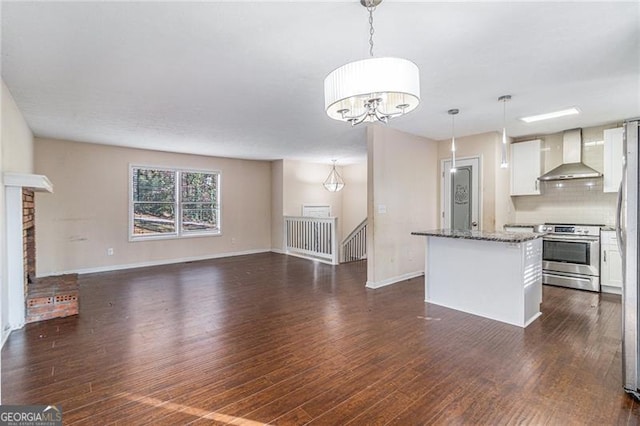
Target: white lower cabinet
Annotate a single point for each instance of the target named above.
(610, 263)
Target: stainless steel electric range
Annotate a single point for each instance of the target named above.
(571, 255)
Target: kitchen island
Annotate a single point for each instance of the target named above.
(496, 275)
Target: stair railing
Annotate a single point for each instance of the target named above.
(354, 247)
(312, 237)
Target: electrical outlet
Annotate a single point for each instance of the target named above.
(109, 252)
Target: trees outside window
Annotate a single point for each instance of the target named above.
(173, 202)
(199, 205)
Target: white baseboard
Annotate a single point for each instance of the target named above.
(611, 290)
(279, 251)
(5, 336)
(393, 280)
(302, 256)
(158, 262)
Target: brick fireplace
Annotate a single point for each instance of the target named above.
(26, 297)
(28, 236)
(48, 297)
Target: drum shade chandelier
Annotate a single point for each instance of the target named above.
(374, 89)
(333, 182)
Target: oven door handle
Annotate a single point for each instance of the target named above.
(572, 240)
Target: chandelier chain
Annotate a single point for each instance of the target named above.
(371, 8)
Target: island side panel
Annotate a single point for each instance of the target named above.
(532, 277)
(484, 278)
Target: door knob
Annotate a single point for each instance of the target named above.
(474, 224)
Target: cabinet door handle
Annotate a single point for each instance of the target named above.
(605, 255)
(536, 184)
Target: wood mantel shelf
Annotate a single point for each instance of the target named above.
(39, 183)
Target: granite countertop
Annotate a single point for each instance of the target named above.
(503, 237)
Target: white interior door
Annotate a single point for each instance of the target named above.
(460, 191)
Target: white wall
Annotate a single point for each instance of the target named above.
(303, 185)
(354, 196)
(16, 155)
(402, 197)
(17, 138)
(88, 212)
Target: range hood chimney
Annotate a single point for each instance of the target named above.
(572, 166)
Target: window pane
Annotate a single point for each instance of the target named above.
(154, 218)
(199, 217)
(153, 185)
(199, 205)
(199, 187)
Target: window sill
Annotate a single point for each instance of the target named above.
(138, 238)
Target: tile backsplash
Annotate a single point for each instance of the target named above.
(569, 201)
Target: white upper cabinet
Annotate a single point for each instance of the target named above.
(612, 173)
(526, 167)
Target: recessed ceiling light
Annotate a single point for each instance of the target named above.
(547, 116)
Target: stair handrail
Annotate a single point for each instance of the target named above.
(355, 231)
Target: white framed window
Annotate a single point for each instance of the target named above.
(173, 203)
(315, 210)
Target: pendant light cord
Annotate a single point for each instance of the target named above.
(453, 127)
(504, 113)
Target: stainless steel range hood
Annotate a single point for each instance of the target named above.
(572, 166)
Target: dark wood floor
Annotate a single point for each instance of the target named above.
(274, 339)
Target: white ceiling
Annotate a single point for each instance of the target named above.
(245, 79)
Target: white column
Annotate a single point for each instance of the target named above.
(15, 257)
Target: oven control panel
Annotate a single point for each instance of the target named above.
(562, 229)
